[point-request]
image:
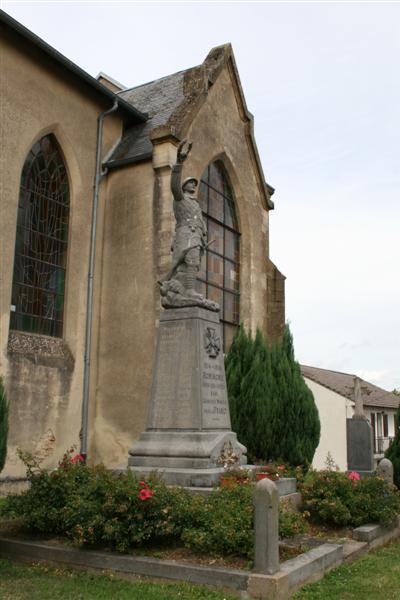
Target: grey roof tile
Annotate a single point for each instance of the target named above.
(343, 384)
(161, 98)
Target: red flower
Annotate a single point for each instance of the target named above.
(145, 494)
(142, 483)
(281, 468)
(77, 458)
(354, 476)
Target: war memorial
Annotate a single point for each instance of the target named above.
(188, 437)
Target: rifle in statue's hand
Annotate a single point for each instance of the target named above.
(179, 260)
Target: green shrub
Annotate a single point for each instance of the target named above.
(333, 498)
(3, 425)
(272, 409)
(291, 522)
(222, 523)
(96, 507)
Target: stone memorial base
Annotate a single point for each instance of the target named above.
(188, 436)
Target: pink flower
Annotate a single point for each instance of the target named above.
(77, 458)
(281, 468)
(142, 483)
(145, 494)
(354, 476)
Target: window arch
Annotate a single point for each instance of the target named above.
(218, 278)
(37, 303)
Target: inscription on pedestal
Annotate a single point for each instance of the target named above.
(173, 404)
(213, 386)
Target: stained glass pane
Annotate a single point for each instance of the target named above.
(215, 269)
(216, 205)
(223, 270)
(216, 178)
(231, 245)
(203, 194)
(216, 233)
(230, 214)
(41, 242)
(231, 279)
(231, 307)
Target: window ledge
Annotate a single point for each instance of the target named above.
(42, 349)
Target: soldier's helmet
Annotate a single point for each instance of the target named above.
(187, 180)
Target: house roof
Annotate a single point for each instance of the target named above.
(171, 103)
(128, 110)
(343, 384)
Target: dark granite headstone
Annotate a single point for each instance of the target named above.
(360, 448)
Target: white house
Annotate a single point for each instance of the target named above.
(334, 396)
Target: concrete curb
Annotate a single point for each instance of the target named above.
(124, 563)
(369, 533)
(293, 574)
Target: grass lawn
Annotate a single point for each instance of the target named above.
(376, 576)
(38, 582)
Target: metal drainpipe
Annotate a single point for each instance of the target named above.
(99, 174)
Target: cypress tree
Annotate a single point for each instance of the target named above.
(272, 409)
(3, 425)
(248, 369)
(237, 365)
(393, 452)
(297, 416)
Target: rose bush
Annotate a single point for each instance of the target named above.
(93, 506)
(341, 499)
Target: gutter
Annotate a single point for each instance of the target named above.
(99, 174)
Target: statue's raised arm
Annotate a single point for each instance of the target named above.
(182, 154)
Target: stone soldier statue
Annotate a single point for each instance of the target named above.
(178, 287)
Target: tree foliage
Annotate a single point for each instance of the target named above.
(393, 452)
(272, 409)
(3, 425)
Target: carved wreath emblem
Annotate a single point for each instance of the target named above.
(212, 343)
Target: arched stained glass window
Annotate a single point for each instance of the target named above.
(37, 302)
(218, 278)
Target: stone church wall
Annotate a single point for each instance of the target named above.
(43, 375)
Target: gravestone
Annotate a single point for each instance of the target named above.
(266, 527)
(188, 437)
(360, 445)
(385, 470)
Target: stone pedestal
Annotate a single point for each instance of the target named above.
(188, 426)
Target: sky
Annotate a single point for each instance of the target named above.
(322, 80)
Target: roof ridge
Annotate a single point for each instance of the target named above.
(136, 87)
(334, 371)
(380, 393)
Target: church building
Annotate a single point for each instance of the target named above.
(86, 230)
